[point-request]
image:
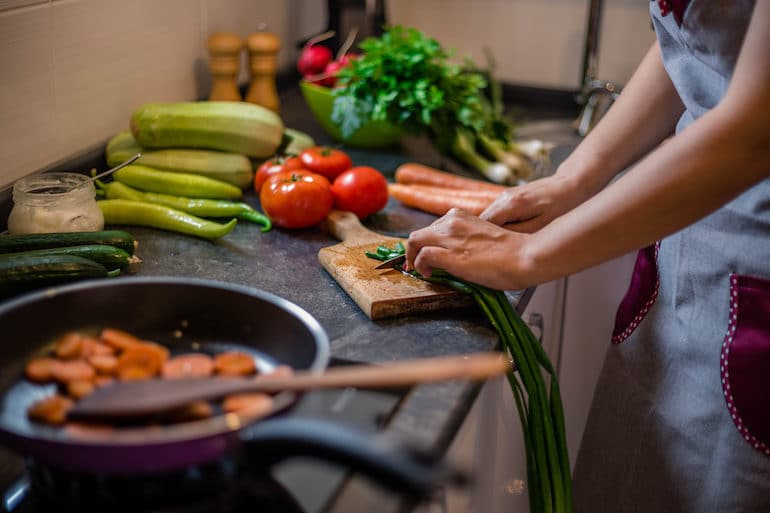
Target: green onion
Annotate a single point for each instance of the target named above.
(535, 389)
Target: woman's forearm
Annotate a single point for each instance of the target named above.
(626, 133)
(719, 156)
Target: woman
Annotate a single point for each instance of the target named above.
(677, 423)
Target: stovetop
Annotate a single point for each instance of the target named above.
(299, 485)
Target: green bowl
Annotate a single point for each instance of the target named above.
(374, 134)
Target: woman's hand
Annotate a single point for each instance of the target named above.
(471, 249)
(527, 208)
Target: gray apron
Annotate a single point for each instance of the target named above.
(680, 421)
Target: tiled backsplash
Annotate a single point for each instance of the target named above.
(74, 70)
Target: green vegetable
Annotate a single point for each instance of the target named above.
(109, 256)
(295, 142)
(149, 179)
(28, 272)
(195, 206)
(27, 242)
(140, 213)
(536, 393)
(237, 127)
(407, 79)
(232, 168)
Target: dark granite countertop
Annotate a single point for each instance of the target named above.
(285, 263)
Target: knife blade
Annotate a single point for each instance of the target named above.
(391, 262)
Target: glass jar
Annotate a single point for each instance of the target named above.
(54, 202)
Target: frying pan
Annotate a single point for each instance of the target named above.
(185, 314)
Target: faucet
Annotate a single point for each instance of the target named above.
(595, 96)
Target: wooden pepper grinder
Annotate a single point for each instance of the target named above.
(263, 48)
(224, 61)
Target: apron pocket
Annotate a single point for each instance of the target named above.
(641, 295)
(745, 359)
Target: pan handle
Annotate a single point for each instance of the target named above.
(397, 468)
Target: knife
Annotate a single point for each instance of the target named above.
(391, 262)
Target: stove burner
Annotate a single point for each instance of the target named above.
(221, 487)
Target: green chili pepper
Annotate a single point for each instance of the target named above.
(196, 206)
(140, 213)
(148, 179)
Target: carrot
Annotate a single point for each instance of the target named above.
(436, 203)
(104, 363)
(81, 388)
(411, 172)
(40, 370)
(86, 430)
(141, 361)
(193, 365)
(196, 410)
(234, 363)
(51, 410)
(72, 370)
(251, 404)
(282, 371)
(119, 339)
(69, 346)
(455, 193)
(93, 346)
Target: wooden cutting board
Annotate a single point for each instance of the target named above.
(379, 293)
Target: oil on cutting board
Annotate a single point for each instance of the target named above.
(379, 293)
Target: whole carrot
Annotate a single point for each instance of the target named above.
(413, 173)
(436, 203)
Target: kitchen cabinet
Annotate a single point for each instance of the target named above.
(574, 317)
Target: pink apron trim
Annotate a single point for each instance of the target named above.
(734, 369)
(645, 283)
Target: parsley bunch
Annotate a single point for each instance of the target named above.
(406, 78)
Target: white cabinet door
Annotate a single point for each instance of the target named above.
(592, 297)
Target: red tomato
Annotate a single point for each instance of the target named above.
(326, 161)
(273, 166)
(296, 199)
(361, 190)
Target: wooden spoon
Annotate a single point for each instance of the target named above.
(131, 399)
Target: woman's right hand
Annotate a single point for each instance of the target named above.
(527, 208)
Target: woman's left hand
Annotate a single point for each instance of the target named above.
(470, 249)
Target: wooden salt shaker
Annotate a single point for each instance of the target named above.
(224, 61)
(263, 49)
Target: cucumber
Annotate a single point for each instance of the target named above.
(28, 242)
(109, 256)
(233, 168)
(29, 272)
(237, 127)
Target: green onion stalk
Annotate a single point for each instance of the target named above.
(535, 389)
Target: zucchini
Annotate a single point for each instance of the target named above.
(28, 242)
(233, 168)
(29, 272)
(109, 256)
(237, 127)
(297, 142)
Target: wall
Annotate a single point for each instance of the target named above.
(74, 70)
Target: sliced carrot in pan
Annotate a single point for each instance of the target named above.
(104, 363)
(119, 339)
(141, 361)
(40, 370)
(72, 370)
(69, 346)
(251, 404)
(80, 389)
(51, 410)
(234, 363)
(192, 365)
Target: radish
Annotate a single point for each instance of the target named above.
(314, 57)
